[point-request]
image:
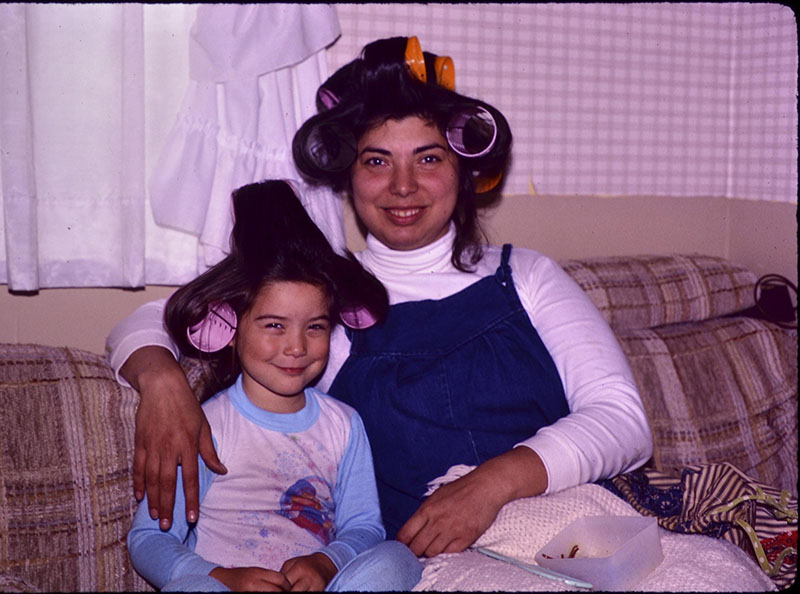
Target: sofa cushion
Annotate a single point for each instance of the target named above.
(648, 291)
(722, 390)
(10, 583)
(66, 449)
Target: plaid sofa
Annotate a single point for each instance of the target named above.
(717, 388)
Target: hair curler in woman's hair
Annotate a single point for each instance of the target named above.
(429, 68)
(327, 98)
(445, 71)
(415, 59)
(215, 331)
(472, 131)
(338, 86)
(331, 147)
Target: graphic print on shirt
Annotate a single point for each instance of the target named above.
(301, 505)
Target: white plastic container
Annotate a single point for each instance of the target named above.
(609, 552)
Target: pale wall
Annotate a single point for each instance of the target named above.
(761, 235)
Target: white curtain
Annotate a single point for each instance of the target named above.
(90, 109)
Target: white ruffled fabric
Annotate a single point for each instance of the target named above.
(255, 70)
(692, 563)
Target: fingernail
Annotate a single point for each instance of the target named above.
(192, 516)
(164, 523)
(153, 513)
(139, 495)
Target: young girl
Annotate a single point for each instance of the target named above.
(298, 507)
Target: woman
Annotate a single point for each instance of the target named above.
(490, 357)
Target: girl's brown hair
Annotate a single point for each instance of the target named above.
(273, 240)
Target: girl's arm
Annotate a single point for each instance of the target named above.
(160, 556)
(171, 428)
(358, 516)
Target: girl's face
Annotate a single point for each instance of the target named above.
(405, 183)
(282, 343)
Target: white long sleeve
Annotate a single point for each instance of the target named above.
(606, 432)
(144, 327)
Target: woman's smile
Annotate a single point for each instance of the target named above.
(405, 216)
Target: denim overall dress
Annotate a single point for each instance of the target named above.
(451, 381)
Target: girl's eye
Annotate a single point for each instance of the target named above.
(431, 159)
(273, 326)
(318, 327)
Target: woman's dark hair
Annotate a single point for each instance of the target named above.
(273, 239)
(374, 88)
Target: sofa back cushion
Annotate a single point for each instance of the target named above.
(66, 450)
(649, 291)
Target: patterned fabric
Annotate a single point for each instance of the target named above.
(524, 526)
(14, 584)
(649, 291)
(720, 501)
(722, 390)
(66, 449)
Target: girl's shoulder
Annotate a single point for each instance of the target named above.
(217, 402)
(328, 404)
(338, 418)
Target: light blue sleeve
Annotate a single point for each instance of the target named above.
(358, 515)
(160, 556)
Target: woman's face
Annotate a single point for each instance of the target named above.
(405, 183)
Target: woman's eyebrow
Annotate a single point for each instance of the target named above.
(374, 149)
(419, 149)
(427, 147)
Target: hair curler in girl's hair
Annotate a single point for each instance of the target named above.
(357, 318)
(215, 331)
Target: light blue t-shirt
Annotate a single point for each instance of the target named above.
(297, 483)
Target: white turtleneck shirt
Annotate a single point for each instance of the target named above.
(606, 431)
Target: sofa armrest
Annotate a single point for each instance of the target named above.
(66, 450)
(721, 390)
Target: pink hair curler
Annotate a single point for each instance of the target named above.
(216, 330)
(357, 318)
(472, 131)
(327, 98)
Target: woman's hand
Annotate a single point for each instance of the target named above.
(458, 513)
(310, 572)
(251, 579)
(170, 430)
